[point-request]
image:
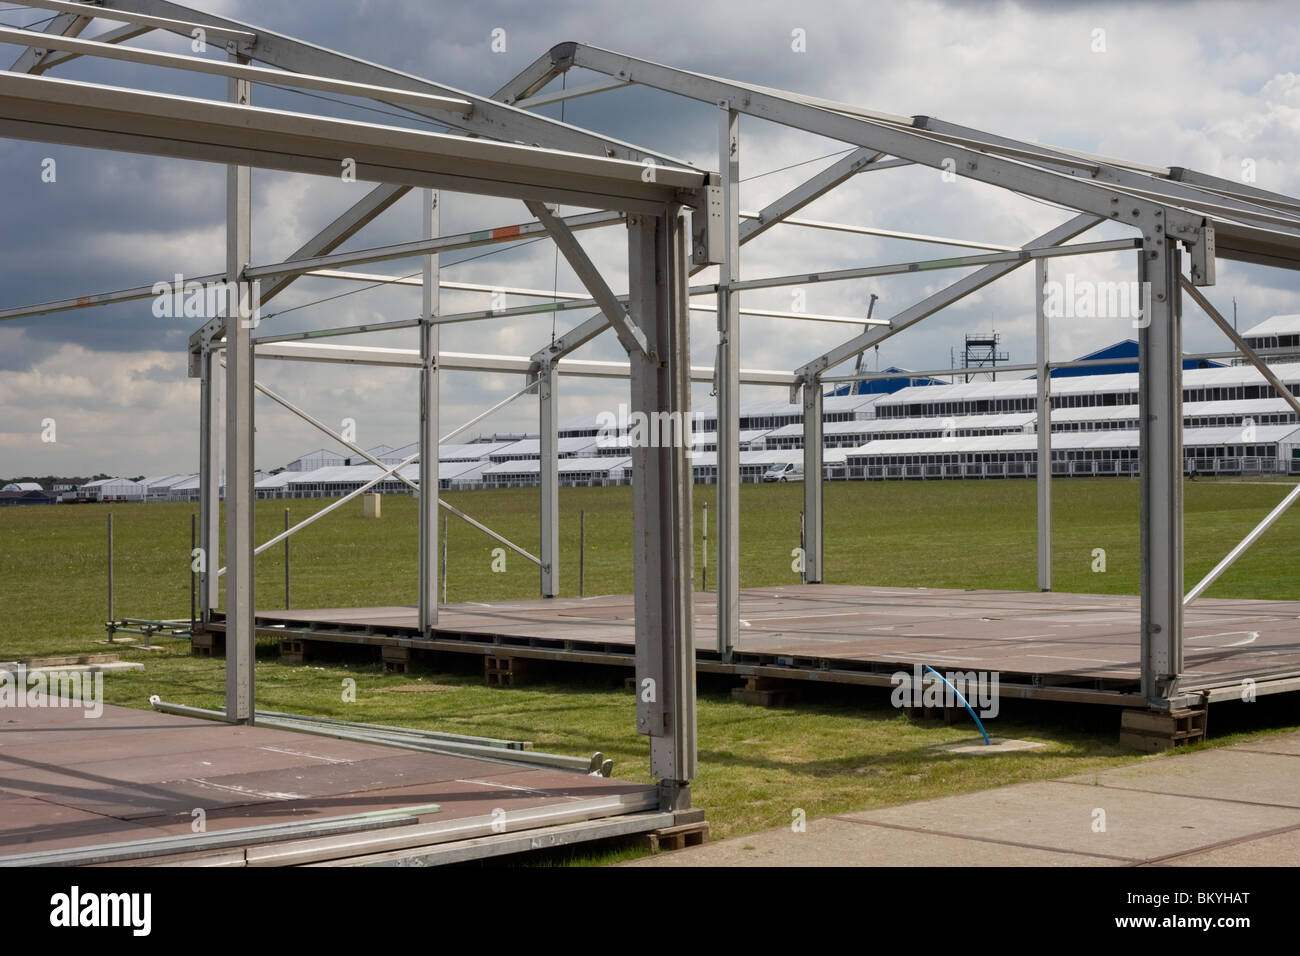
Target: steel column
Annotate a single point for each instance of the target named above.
(549, 477)
(428, 508)
(727, 373)
(1160, 395)
(240, 605)
(813, 510)
(661, 505)
(1044, 427)
(210, 442)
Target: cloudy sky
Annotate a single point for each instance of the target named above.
(1202, 85)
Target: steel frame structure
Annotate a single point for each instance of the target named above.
(1171, 211)
(565, 165)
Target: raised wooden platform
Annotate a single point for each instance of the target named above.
(1045, 645)
(75, 783)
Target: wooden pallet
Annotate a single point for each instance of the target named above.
(208, 644)
(1153, 730)
(678, 837)
(293, 650)
(505, 671)
(397, 659)
(765, 692)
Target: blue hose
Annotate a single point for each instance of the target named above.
(963, 700)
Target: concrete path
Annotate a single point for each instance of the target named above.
(1234, 806)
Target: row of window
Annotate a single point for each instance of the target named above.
(1224, 393)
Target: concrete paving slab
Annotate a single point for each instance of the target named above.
(996, 745)
(835, 842)
(1278, 744)
(1226, 775)
(1280, 849)
(1060, 816)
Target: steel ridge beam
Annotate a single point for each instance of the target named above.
(491, 119)
(118, 35)
(1102, 169)
(33, 60)
(905, 143)
(184, 27)
(84, 114)
(452, 106)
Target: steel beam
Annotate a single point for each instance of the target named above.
(490, 119)
(449, 106)
(944, 297)
(241, 645)
(221, 37)
(883, 233)
(549, 477)
(813, 506)
(479, 362)
(926, 265)
(297, 265)
(87, 114)
(1242, 546)
(780, 209)
(769, 216)
(586, 271)
(35, 60)
(727, 379)
(1160, 400)
(1249, 353)
(429, 360)
(882, 135)
(116, 35)
(661, 506)
(1044, 427)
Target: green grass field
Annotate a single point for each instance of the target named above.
(836, 750)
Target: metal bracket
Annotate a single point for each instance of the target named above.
(1201, 258)
(709, 227)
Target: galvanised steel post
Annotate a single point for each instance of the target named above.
(549, 478)
(1160, 395)
(210, 442)
(1044, 427)
(813, 508)
(240, 318)
(661, 504)
(728, 385)
(428, 507)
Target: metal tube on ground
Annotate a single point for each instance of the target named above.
(596, 763)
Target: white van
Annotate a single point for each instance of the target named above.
(784, 471)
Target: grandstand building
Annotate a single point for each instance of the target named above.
(918, 428)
